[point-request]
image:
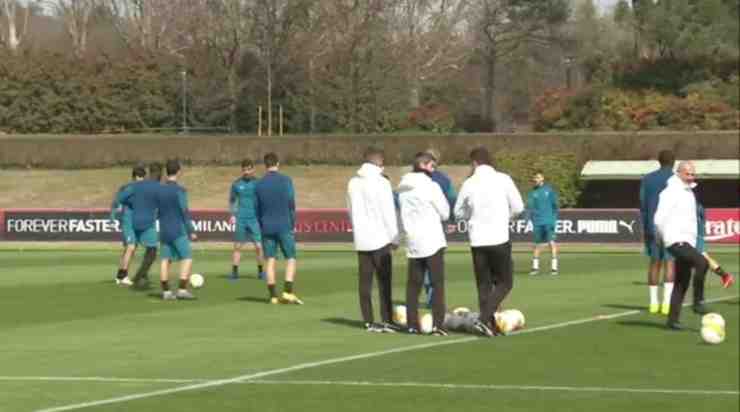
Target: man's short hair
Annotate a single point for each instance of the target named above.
(155, 171)
(420, 159)
(480, 155)
(666, 158)
(372, 154)
(247, 164)
(271, 159)
(435, 154)
(538, 172)
(138, 171)
(173, 166)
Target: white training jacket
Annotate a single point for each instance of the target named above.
(488, 200)
(423, 209)
(675, 218)
(371, 209)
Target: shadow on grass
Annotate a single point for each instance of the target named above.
(623, 306)
(639, 283)
(353, 323)
(253, 299)
(654, 325)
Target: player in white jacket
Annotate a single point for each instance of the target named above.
(676, 223)
(488, 200)
(423, 209)
(375, 232)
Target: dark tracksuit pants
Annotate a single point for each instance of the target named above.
(378, 262)
(435, 264)
(494, 270)
(686, 259)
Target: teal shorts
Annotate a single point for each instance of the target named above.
(247, 230)
(285, 241)
(147, 237)
(128, 235)
(544, 234)
(179, 249)
(656, 251)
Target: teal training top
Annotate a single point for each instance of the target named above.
(120, 211)
(542, 205)
(243, 199)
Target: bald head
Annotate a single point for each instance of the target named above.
(686, 172)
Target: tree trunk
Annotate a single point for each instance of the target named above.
(269, 96)
(489, 98)
(233, 97)
(311, 96)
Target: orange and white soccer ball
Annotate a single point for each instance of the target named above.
(509, 320)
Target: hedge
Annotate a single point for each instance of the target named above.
(76, 152)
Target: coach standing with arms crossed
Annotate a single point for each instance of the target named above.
(488, 200)
(676, 223)
(375, 233)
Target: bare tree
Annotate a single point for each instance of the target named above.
(429, 39)
(500, 27)
(76, 16)
(229, 26)
(11, 36)
(156, 25)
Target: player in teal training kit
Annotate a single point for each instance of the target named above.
(276, 214)
(141, 198)
(176, 231)
(124, 216)
(242, 202)
(542, 209)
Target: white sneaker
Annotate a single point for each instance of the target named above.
(124, 282)
(168, 295)
(184, 294)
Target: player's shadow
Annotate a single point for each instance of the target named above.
(353, 323)
(650, 324)
(623, 306)
(252, 299)
(639, 283)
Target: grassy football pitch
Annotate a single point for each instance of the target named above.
(72, 340)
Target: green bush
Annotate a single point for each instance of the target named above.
(561, 170)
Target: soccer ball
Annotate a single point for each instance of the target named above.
(713, 319)
(426, 323)
(197, 280)
(712, 335)
(399, 315)
(509, 321)
(461, 311)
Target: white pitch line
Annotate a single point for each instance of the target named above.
(496, 387)
(310, 365)
(97, 379)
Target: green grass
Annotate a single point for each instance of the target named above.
(62, 317)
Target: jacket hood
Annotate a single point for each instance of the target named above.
(413, 180)
(675, 181)
(368, 170)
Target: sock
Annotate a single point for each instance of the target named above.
(536, 264)
(653, 294)
(271, 288)
(554, 264)
(667, 291)
(259, 269)
(124, 272)
(183, 284)
(288, 287)
(719, 271)
(121, 274)
(235, 270)
(165, 285)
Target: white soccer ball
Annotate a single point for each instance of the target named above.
(426, 323)
(197, 280)
(713, 319)
(712, 335)
(461, 311)
(519, 318)
(509, 321)
(399, 315)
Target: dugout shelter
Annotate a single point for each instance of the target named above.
(616, 184)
